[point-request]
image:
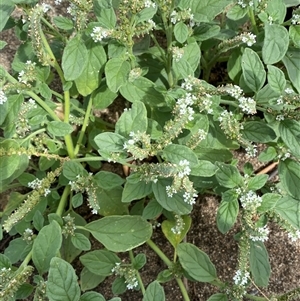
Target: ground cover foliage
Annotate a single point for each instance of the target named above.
(175, 141)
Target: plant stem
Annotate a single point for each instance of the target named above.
(252, 19)
(182, 289)
(63, 200)
(159, 252)
(88, 159)
(84, 126)
(138, 276)
(32, 135)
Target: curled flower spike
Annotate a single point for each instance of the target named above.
(3, 97)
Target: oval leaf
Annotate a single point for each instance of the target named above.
(196, 263)
(62, 281)
(155, 292)
(120, 233)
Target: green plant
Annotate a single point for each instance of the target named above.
(176, 135)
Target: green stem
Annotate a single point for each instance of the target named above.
(32, 135)
(182, 289)
(84, 126)
(26, 260)
(63, 200)
(88, 159)
(252, 19)
(159, 252)
(51, 27)
(138, 276)
(163, 55)
(255, 298)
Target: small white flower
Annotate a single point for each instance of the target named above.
(261, 235)
(177, 53)
(45, 7)
(248, 38)
(99, 33)
(47, 191)
(94, 211)
(289, 91)
(296, 19)
(149, 3)
(294, 236)
(57, 2)
(3, 97)
(279, 117)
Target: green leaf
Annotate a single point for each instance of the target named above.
(236, 12)
(218, 297)
(106, 17)
(277, 10)
(89, 280)
(136, 191)
(182, 68)
(253, 70)
(181, 32)
(16, 250)
(152, 210)
(258, 131)
(234, 65)
(92, 296)
(257, 182)
(74, 58)
(110, 201)
(146, 14)
(228, 175)
(289, 174)
(119, 286)
(204, 169)
(192, 55)
(108, 180)
(71, 170)
(269, 201)
(59, 128)
(291, 63)
(259, 263)
(174, 238)
(276, 79)
(294, 33)
(45, 246)
(77, 200)
(142, 89)
(175, 153)
(24, 291)
(139, 261)
(196, 263)
(289, 209)
(120, 233)
(81, 242)
(132, 120)
(38, 220)
(8, 165)
(110, 142)
(62, 282)
(116, 71)
(274, 49)
(3, 112)
(4, 262)
(267, 155)
(227, 214)
(63, 23)
(88, 81)
(100, 262)
(6, 8)
(290, 134)
(175, 203)
(155, 292)
(206, 10)
(103, 97)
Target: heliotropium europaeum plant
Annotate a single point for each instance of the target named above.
(175, 139)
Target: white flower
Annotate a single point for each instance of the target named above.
(261, 235)
(241, 278)
(47, 191)
(3, 97)
(99, 33)
(250, 200)
(251, 151)
(296, 19)
(57, 2)
(289, 91)
(177, 53)
(248, 38)
(241, 3)
(94, 211)
(234, 91)
(190, 198)
(45, 7)
(279, 117)
(247, 104)
(185, 168)
(35, 184)
(294, 236)
(149, 3)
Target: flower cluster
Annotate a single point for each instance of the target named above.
(39, 184)
(205, 103)
(247, 104)
(294, 236)
(183, 106)
(179, 225)
(149, 3)
(139, 145)
(86, 184)
(296, 19)
(250, 200)
(134, 74)
(3, 97)
(261, 234)
(69, 226)
(28, 74)
(184, 15)
(28, 235)
(251, 151)
(177, 53)
(99, 33)
(230, 125)
(128, 273)
(241, 277)
(248, 38)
